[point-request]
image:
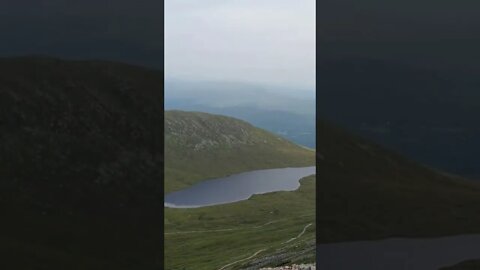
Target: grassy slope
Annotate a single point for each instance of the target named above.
(80, 169)
(366, 192)
(246, 150)
(290, 212)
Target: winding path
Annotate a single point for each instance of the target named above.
(206, 231)
(236, 229)
(255, 254)
(225, 230)
(298, 236)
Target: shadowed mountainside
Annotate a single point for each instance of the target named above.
(80, 164)
(366, 192)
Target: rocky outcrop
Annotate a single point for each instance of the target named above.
(203, 131)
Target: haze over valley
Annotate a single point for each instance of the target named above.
(287, 112)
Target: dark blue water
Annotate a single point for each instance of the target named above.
(399, 253)
(237, 187)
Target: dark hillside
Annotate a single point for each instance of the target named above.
(80, 163)
(366, 192)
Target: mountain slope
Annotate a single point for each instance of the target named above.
(224, 234)
(367, 192)
(80, 164)
(200, 146)
(288, 113)
(298, 128)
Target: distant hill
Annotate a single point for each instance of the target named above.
(80, 164)
(289, 113)
(366, 192)
(220, 94)
(199, 146)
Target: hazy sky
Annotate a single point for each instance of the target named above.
(261, 41)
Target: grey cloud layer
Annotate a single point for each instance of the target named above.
(263, 41)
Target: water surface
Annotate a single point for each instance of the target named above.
(237, 187)
(399, 253)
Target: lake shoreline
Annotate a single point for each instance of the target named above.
(238, 187)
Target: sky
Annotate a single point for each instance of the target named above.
(270, 42)
(118, 30)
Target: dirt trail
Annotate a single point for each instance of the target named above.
(255, 254)
(298, 236)
(236, 229)
(225, 230)
(206, 231)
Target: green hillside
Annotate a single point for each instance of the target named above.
(366, 192)
(211, 237)
(200, 146)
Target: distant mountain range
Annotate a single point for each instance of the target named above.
(286, 112)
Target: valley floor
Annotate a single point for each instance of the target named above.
(272, 229)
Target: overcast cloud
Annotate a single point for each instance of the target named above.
(261, 41)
